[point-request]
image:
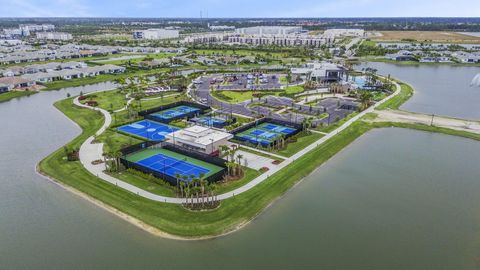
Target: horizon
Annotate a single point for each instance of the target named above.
(245, 9)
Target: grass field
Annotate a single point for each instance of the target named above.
(109, 100)
(333, 126)
(146, 182)
(303, 140)
(290, 90)
(240, 96)
(138, 60)
(434, 36)
(114, 141)
(395, 102)
(15, 94)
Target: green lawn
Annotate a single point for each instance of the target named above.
(249, 175)
(15, 94)
(335, 125)
(138, 60)
(396, 101)
(114, 141)
(146, 182)
(290, 90)
(109, 100)
(152, 103)
(303, 140)
(239, 96)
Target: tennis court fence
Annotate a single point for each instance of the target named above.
(297, 127)
(262, 142)
(201, 107)
(174, 148)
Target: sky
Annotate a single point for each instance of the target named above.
(239, 8)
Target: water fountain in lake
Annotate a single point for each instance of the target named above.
(476, 81)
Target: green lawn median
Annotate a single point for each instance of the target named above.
(15, 94)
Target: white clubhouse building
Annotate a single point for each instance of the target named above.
(200, 139)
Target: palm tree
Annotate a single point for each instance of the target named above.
(117, 155)
(239, 161)
(231, 153)
(223, 149)
(365, 99)
(182, 187)
(177, 177)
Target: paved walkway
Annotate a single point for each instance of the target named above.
(90, 152)
(425, 119)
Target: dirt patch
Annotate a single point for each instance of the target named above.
(435, 36)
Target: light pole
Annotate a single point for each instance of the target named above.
(211, 144)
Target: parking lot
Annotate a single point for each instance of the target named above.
(336, 108)
(245, 81)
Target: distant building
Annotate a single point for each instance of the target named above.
(36, 27)
(201, 139)
(54, 36)
(221, 27)
(269, 30)
(11, 83)
(156, 34)
(334, 33)
(402, 56)
(14, 32)
(68, 74)
(320, 72)
(256, 40)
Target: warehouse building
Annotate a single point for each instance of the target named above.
(54, 36)
(155, 34)
(269, 30)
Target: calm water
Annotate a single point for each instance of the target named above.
(394, 199)
(440, 89)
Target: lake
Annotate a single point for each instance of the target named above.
(394, 199)
(440, 89)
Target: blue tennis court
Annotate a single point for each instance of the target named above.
(175, 112)
(148, 129)
(172, 166)
(211, 121)
(264, 134)
(277, 128)
(254, 140)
